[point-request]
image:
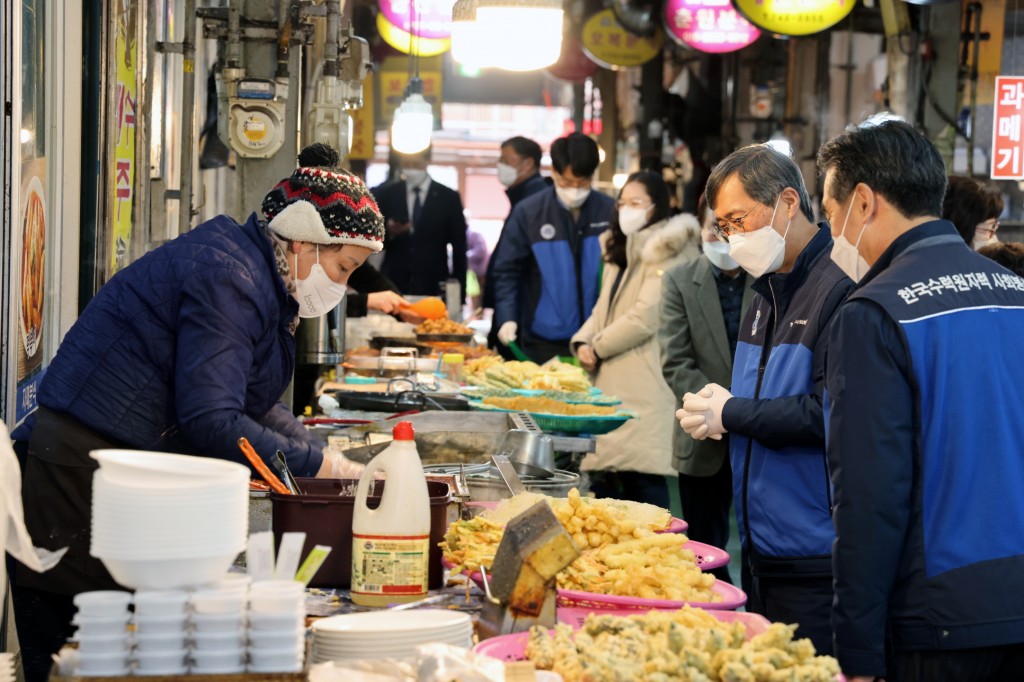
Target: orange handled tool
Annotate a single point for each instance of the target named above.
(431, 308)
(250, 454)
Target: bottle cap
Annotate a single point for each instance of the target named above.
(453, 358)
(402, 431)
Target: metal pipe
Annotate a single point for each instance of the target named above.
(331, 42)
(973, 9)
(188, 98)
(234, 50)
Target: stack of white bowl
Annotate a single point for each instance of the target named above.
(218, 635)
(161, 632)
(6, 667)
(163, 521)
(387, 634)
(103, 642)
(276, 626)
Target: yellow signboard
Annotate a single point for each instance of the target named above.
(121, 171)
(362, 124)
(394, 76)
(609, 44)
(794, 17)
(408, 43)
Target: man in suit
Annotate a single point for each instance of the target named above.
(423, 218)
(703, 301)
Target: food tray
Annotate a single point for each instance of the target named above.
(708, 556)
(593, 425)
(461, 338)
(732, 598)
(513, 647)
(594, 397)
(676, 526)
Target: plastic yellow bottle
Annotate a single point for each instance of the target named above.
(390, 544)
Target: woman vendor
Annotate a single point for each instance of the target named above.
(186, 350)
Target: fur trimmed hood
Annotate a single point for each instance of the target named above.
(662, 241)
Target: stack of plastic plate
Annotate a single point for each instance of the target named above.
(6, 667)
(163, 521)
(387, 634)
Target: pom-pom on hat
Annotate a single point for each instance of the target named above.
(321, 206)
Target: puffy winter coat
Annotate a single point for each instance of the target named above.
(623, 331)
(186, 350)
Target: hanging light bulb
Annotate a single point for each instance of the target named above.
(500, 27)
(467, 47)
(414, 121)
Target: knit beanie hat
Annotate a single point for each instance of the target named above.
(324, 207)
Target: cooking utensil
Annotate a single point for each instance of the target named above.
(261, 468)
(517, 352)
(531, 453)
(508, 474)
(436, 599)
(431, 307)
(281, 464)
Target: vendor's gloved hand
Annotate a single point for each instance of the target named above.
(707, 403)
(385, 301)
(337, 465)
(507, 332)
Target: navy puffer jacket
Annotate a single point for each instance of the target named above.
(186, 350)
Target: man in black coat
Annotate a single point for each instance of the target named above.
(423, 218)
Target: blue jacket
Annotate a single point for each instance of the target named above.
(926, 445)
(546, 273)
(186, 350)
(531, 185)
(775, 421)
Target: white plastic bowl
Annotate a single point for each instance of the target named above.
(277, 587)
(162, 672)
(167, 573)
(217, 601)
(216, 669)
(217, 622)
(214, 658)
(101, 625)
(103, 664)
(162, 625)
(218, 641)
(102, 644)
(275, 668)
(277, 622)
(151, 645)
(160, 660)
(103, 603)
(276, 658)
(145, 469)
(157, 603)
(276, 639)
(271, 603)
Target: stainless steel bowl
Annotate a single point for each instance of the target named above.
(488, 486)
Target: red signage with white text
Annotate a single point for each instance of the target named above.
(1008, 129)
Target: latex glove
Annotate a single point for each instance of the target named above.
(588, 358)
(709, 401)
(507, 332)
(337, 465)
(385, 301)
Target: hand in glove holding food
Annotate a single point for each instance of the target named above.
(701, 416)
(507, 332)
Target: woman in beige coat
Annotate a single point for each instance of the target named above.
(618, 344)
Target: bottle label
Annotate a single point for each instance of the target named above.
(390, 564)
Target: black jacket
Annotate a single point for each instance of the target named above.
(417, 262)
(533, 184)
(366, 280)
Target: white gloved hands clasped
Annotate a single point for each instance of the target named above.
(701, 416)
(507, 332)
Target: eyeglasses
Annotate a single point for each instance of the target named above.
(986, 230)
(731, 226)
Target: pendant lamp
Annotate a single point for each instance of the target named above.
(414, 117)
(514, 35)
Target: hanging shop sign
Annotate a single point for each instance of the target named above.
(392, 79)
(403, 41)
(362, 123)
(572, 64)
(120, 216)
(424, 18)
(708, 25)
(33, 286)
(1008, 129)
(795, 17)
(609, 44)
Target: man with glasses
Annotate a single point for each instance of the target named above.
(546, 273)
(773, 411)
(926, 444)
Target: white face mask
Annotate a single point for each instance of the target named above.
(318, 294)
(760, 251)
(414, 176)
(978, 243)
(572, 197)
(632, 219)
(718, 253)
(846, 255)
(507, 174)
